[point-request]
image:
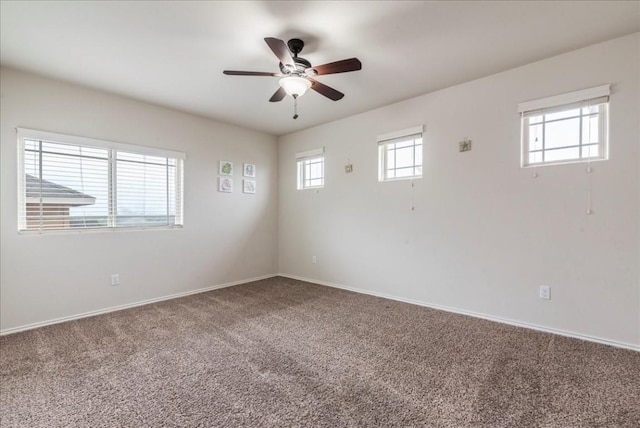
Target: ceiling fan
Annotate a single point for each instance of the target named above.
(297, 74)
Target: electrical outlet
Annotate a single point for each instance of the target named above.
(314, 260)
(115, 279)
(545, 292)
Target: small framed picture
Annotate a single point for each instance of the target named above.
(225, 184)
(249, 186)
(226, 168)
(249, 170)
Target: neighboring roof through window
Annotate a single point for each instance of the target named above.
(54, 193)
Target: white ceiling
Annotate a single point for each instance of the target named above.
(173, 53)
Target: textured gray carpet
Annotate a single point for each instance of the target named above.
(281, 353)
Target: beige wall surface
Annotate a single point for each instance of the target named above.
(226, 237)
(484, 233)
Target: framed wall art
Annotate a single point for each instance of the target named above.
(249, 170)
(226, 168)
(249, 186)
(225, 184)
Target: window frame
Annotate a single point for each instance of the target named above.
(303, 160)
(406, 135)
(577, 100)
(112, 148)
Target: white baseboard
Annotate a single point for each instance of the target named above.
(560, 332)
(328, 284)
(129, 305)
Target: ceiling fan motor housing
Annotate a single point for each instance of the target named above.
(301, 64)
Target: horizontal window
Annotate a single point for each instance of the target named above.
(561, 130)
(71, 183)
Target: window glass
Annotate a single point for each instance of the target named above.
(311, 173)
(570, 135)
(562, 133)
(400, 158)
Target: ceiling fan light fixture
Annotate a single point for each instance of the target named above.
(295, 86)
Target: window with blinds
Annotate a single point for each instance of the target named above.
(565, 128)
(74, 183)
(310, 169)
(400, 154)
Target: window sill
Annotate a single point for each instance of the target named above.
(96, 230)
(564, 162)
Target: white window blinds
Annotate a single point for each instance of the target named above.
(74, 183)
(570, 100)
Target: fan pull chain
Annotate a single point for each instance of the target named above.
(589, 170)
(413, 205)
(534, 174)
(589, 210)
(295, 106)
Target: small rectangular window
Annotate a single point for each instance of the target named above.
(400, 155)
(310, 169)
(74, 183)
(566, 128)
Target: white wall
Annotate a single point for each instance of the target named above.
(226, 237)
(484, 233)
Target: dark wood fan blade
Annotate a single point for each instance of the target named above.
(250, 73)
(325, 90)
(280, 49)
(278, 95)
(351, 64)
